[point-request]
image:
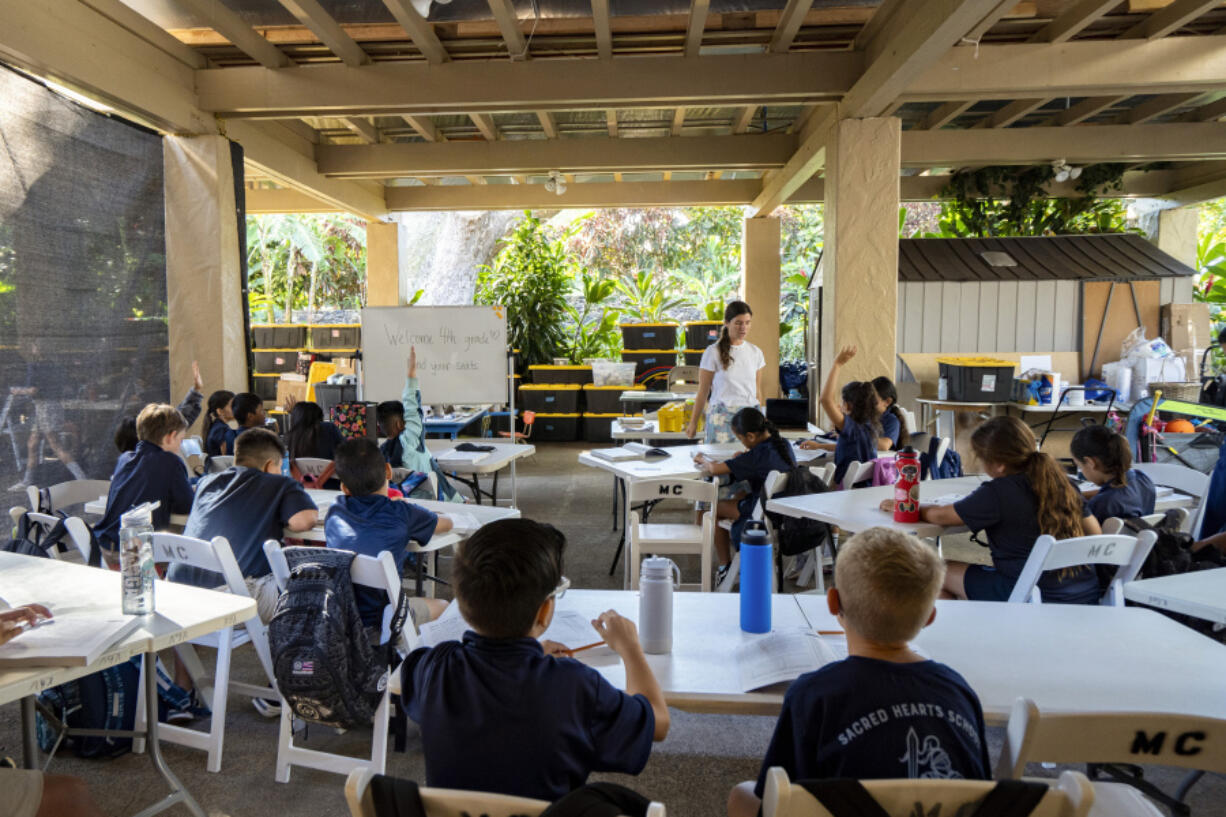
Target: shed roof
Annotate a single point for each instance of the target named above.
(1119, 257)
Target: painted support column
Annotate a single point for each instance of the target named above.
(203, 269)
(1177, 236)
(760, 268)
(382, 264)
(860, 254)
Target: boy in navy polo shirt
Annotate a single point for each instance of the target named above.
(152, 472)
(366, 521)
(884, 711)
(500, 712)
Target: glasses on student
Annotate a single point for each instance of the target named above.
(560, 590)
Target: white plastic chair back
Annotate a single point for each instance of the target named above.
(1185, 480)
(1126, 552)
(220, 463)
(1113, 524)
(311, 466)
(78, 532)
(908, 417)
(857, 472)
(824, 472)
(671, 539)
(1072, 795)
(73, 492)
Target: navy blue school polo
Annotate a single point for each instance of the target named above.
(369, 525)
(1125, 501)
(891, 427)
(218, 433)
(498, 715)
(248, 507)
(872, 719)
(145, 474)
(857, 442)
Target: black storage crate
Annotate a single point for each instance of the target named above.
(598, 428)
(336, 336)
(555, 428)
(649, 335)
(328, 395)
(701, 334)
(560, 374)
(990, 381)
(692, 357)
(265, 386)
(605, 399)
(651, 362)
(276, 361)
(550, 398)
(278, 336)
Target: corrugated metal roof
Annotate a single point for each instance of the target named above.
(1120, 257)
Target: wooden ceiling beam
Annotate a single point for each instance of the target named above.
(945, 114)
(485, 124)
(678, 122)
(610, 118)
(990, 19)
(1073, 20)
(1206, 113)
(1153, 108)
(425, 128)
(790, 20)
(312, 15)
(548, 124)
(508, 24)
(741, 123)
(602, 29)
(235, 29)
(1170, 19)
(698, 22)
(881, 16)
(1010, 113)
(419, 30)
(476, 180)
(365, 130)
(1083, 110)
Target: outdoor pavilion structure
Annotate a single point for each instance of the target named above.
(380, 106)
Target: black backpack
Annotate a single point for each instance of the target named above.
(844, 797)
(799, 535)
(32, 539)
(324, 664)
(102, 700)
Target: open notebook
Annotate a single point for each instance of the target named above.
(68, 640)
(629, 452)
(783, 655)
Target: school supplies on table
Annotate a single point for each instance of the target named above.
(781, 656)
(459, 455)
(629, 452)
(67, 640)
(719, 452)
(568, 627)
(463, 522)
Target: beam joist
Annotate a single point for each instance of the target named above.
(1170, 19)
(324, 26)
(1071, 22)
(698, 22)
(945, 114)
(508, 24)
(425, 128)
(419, 30)
(1083, 110)
(602, 29)
(790, 20)
(246, 39)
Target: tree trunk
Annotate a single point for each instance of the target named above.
(311, 292)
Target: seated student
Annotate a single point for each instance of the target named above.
(248, 503)
(766, 451)
(500, 711)
(865, 435)
(894, 434)
(125, 432)
(217, 423)
(367, 522)
(404, 426)
(248, 411)
(884, 711)
(1105, 459)
(153, 471)
(125, 435)
(29, 792)
(1028, 496)
(309, 435)
(1213, 525)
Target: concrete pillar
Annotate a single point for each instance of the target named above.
(1177, 233)
(203, 269)
(860, 255)
(760, 267)
(382, 264)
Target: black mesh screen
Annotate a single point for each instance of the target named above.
(82, 283)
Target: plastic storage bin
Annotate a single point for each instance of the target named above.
(265, 386)
(692, 357)
(556, 428)
(336, 336)
(652, 364)
(612, 373)
(604, 399)
(978, 379)
(701, 334)
(550, 398)
(328, 395)
(649, 335)
(278, 336)
(560, 374)
(275, 361)
(598, 428)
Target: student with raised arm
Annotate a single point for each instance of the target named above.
(731, 374)
(406, 444)
(856, 418)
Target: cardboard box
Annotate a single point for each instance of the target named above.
(296, 387)
(1186, 326)
(344, 365)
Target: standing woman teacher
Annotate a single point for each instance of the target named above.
(731, 373)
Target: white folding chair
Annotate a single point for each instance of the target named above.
(454, 802)
(312, 466)
(1113, 524)
(1072, 795)
(1048, 553)
(219, 463)
(815, 567)
(1185, 480)
(908, 420)
(214, 555)
(856, 472)
(78, 532)
(1160, 738)
(671, 538)
(73, 492)
(942, 447)
(378, 573)
(683, 379)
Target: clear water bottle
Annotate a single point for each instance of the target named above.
(658, 577)
(756, 578)
(136, 559)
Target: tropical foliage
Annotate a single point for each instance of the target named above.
(1211, 261)
(305, 261)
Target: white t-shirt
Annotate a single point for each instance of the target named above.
(738, 384)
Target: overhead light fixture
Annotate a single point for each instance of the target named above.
(1065, 171)
(556, 183)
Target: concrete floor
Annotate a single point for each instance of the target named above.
(690, 772)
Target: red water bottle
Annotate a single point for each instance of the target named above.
(906, 489)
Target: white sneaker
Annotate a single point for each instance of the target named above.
(20, 485)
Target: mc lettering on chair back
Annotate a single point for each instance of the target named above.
(674, 489)
(1184, 744)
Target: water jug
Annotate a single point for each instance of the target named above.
(136, 559)
(657, 579)
(906, 487)
(756, 568)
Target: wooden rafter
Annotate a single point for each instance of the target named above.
(1206, 113)
(508, 24)
(741, 123)
(1158, 106)
(476, 180)
(602, 29)
(1170, 19)
(425, 128)
(548, 124)
(1010, 113)
(990, 19)
(876, 23)
(790, 20)
(698, 22)
(485, 124)
(312, 15)
(1069, 24)
(419, 30)
(678, 122)
(945, 114)
(1083, 110)
(610, 118)
(235, 29)
(365, 130)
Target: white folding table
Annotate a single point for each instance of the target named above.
(1201, 594)
(182, 613)
(470, 472)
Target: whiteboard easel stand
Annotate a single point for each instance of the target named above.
(511, 421)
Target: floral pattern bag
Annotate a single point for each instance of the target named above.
(355, 419)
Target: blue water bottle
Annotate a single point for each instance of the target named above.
(756, 569)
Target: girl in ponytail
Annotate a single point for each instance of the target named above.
(1106, 460)
(857, 419)
(216, 422)
(1028, 496)
(766, 451)
(893, 425)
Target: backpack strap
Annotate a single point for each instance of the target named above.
(396, 625)
(395, 797)
(844, 797)
(1011, 798)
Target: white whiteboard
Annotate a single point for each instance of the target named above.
(461, 352)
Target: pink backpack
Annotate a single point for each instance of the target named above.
(885, 472)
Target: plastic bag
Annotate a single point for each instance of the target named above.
(1137, 346)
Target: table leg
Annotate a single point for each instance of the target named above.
(616, 488)
(494, 494)
(178, 793)
(29, 734)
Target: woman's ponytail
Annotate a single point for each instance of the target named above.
(734, 309)
(1060, 506)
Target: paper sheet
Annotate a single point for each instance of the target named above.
(452, 455)
(1040, 362)
(67, 640)
(569, 627)
(462, 522)
(946, 499)
(780, 656)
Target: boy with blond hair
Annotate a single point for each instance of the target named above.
(885, 711)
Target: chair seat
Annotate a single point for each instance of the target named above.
(1121, 800)
(238, 637)
(670, 536)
